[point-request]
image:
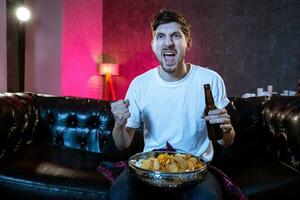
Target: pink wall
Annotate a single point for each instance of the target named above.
(81, 47)
(63, 45)
(43, 47)
(68, 38)
(127, 38)
(3, 70)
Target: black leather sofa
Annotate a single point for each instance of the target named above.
(264, 159)
(50, 147)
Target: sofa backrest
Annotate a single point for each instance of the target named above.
(79, 123)
(264, 126)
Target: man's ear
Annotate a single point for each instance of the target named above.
(189, 44)
(152, 45)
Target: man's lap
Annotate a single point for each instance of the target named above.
(126, 187)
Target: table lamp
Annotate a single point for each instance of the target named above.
(108, 70)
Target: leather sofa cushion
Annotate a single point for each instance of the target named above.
(53, 172)
(266, 180)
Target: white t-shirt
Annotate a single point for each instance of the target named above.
(173, 111)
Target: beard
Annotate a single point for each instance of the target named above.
(171, 68)
(168, 69)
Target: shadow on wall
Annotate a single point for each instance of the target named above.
(106, 58)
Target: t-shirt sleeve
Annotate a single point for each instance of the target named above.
(219, 93)
(135, 119)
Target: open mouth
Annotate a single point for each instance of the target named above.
(169, 57)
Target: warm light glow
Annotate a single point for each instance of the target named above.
(23, 13)
(108, 68)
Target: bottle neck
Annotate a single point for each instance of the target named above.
(209, 100)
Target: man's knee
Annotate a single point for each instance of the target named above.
(208, 189)
(122, 188)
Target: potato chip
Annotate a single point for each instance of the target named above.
(172, 163)
(156, 165)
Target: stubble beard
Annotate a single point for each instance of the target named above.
(173, 68)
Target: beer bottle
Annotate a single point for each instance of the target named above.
(214, 131)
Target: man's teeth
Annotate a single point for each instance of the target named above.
(169, 54)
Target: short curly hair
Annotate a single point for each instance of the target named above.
(167, 16)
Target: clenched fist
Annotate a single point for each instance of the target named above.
(120, 112)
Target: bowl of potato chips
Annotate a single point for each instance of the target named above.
(167, 168)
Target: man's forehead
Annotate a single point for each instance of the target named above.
(169, 28)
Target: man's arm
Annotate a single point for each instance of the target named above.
(122, 135)
(220, 116)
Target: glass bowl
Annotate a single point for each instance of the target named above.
(164, 179)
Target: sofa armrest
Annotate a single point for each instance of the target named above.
(18, 120)
(289, 133)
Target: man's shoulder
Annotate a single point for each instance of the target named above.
(143, 79)
(145, 76)
(205, 71)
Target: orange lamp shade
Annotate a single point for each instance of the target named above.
(108, 68)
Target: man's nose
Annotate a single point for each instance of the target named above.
(168, 41)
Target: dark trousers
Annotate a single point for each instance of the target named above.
(126, 187)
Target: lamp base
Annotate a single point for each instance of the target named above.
(109, 89)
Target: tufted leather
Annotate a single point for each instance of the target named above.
(74, 122)
(18, 117)
(289, 123)
(280, 115)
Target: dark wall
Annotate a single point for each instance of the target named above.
(249, 43)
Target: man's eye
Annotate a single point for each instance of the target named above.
(176, 35)
(160, 36)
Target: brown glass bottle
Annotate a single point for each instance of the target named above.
(214, 131)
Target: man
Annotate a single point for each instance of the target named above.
(170, 101)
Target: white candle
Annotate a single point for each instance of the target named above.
(259, 92)
(270, 90)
